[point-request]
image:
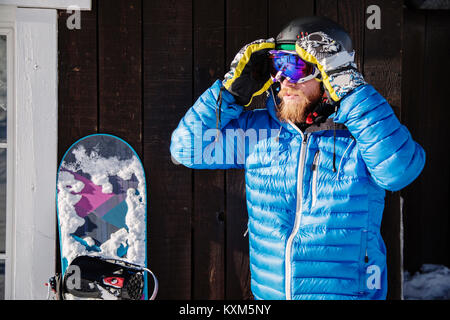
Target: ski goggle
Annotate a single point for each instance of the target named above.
(288, 65)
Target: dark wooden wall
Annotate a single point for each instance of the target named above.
(133, 70)
(426, 113)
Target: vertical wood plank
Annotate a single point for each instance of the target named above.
(327, 8)
(77, 87)
(351, 18)
(208, 225)
(120, 56)
(382, 50)
(425, 201)
(77, 84)
(283, 11)
(246, 21)
(167, 53)
(382, 69)
(413, 102)
(435, 114)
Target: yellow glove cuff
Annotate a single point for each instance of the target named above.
(325, 79)
(243, 62)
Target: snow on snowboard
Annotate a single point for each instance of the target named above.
(102, 216)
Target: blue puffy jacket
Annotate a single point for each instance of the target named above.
(314, 232)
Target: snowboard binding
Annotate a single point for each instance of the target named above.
(91, 277)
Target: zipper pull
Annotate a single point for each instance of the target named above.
(314, 164)
(366, 258)
(305, 138)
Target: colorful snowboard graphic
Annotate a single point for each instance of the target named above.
(101, 203)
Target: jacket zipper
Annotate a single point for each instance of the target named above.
(315, 172)
(298, 211)
(364, 259)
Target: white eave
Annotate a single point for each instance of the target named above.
(49, 4)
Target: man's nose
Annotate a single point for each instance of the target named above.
(286, 83)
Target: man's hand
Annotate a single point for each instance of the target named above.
(249, 74)
(337, 66)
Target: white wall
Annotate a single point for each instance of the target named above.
(35, 164)
(32, 142)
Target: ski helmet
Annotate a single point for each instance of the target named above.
(293, 31)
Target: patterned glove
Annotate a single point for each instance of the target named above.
(337, 66)
(249, 74)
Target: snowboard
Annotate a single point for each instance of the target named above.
(102, 217)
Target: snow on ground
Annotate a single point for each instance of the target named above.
(432, 282)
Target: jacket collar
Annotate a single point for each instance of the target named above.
(329, 124)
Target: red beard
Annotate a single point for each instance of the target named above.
(297, 110)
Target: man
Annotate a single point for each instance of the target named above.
(317, 162)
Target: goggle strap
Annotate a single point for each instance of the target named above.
(311, 76)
